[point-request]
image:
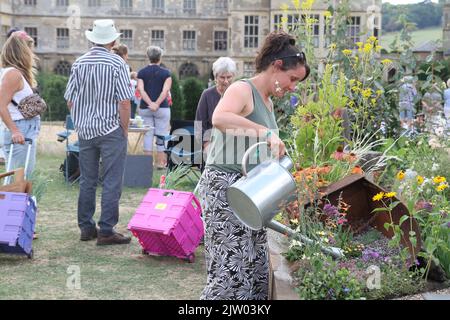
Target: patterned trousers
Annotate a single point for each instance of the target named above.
(236, 256)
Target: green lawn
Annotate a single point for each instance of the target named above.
(109, 272)
(418, 36)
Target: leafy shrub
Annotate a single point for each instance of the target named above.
(52, 88)
(192, 89)
(324, 281)
(176, 111)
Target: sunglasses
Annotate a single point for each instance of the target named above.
(300, 55)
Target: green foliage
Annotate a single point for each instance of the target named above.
(321, 279)
(40, 183)
(176, 111)
(317, 132)
(52, 88)
(424, 14)
(192, 89)
(395, 283)
(178, 178)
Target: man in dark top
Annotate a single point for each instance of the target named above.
(224, 70)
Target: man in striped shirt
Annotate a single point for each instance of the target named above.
(98, 96)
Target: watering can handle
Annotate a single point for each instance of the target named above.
(246, 155)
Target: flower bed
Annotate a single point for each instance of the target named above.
(385, 254)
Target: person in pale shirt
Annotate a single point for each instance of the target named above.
(17, 80)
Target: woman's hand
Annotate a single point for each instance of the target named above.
(276, 145)
(17, 137)
(153, 106)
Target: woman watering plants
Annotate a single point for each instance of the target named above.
(236, 256)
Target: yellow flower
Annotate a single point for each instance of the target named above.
(390, 195)
(359, 44)
(284, 7)
(379, 92)
(372, 39)
(284, 20)
(294, 221)
(307, 5)
(366, 93)
(374, 101)
(333, 46)
(296, 3)
(355, 89)
(367, 48)
(439, 179)
(400, 175)
(386, 61)
(327, 14)
(378, 48)
(378, 196)
(351, 82)
(311, 21)
(419, 180)
(347, 52)
(442, 187)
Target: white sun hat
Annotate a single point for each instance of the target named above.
(103, 32)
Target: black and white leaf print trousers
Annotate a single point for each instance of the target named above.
(236, 256)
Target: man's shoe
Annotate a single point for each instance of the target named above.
(115, 238)
(88, 234)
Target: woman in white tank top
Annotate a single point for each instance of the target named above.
(17, 78)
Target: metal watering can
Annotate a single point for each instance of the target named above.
(257, 197)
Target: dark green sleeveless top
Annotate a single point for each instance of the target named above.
(226, 150)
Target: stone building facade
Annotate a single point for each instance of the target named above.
(193, 33)
(446, 28)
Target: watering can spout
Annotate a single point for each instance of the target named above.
(336, 253)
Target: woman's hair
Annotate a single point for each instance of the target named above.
(154, 54)
(279, 45)
(222, 65)
(17, 52)
(120, 49)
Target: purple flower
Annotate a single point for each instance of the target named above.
(424, 205)
(369, 254)
(293, 100)
(346, 290)
(448, 224)
(330, 210)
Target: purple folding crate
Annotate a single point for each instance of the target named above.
(168, 222)
(17, 222)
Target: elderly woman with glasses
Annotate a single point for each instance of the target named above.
(224, 70)
(236, 256)
(17, 81)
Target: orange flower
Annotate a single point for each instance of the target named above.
(357, 170)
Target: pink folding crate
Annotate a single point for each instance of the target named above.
(168, 223)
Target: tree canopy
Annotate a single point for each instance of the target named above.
(424, 14)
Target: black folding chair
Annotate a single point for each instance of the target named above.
(182, 148)
(71, 166)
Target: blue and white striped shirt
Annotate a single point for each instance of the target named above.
(98, 81)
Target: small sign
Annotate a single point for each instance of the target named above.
(161, 206)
